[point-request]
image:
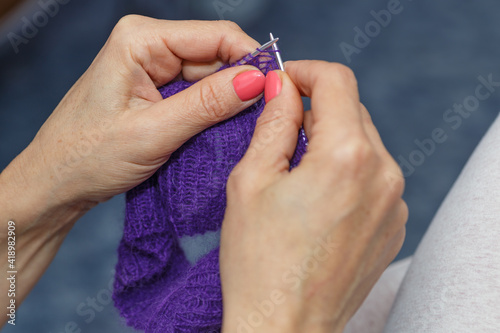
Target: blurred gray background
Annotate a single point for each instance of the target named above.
(427, 59)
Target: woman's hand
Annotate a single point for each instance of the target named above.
(301, 250)
(113, 130)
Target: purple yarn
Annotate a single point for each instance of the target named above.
(156, 289)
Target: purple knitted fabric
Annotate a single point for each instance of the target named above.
(156, 289)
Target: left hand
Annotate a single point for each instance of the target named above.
(113, 129)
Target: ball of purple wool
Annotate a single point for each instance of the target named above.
(156, 288)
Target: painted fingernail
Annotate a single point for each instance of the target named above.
(273, 86)
(249, 85)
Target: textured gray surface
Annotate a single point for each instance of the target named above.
(427, 59)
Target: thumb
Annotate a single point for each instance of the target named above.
(213, 99)
(275, 137)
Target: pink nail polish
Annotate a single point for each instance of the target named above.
(273, 86)
(249, 85)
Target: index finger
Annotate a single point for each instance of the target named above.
(334, 97)
(161, 46)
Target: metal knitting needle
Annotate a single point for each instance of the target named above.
(264, 47)
(258, 51)
(277, 52)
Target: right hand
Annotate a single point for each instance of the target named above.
(301, 250)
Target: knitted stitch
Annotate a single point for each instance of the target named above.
(156, 289)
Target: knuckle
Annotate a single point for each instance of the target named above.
(405, 213)
(342, 73)
(211, 103)
(398, 242)
(239, 181)
(366, 116)
(398, 208)
(127, 23)
(231, 25)
(355, 154)
(125, 29)
(398, 185)
(394, 178)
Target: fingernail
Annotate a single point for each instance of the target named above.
(273, 86)
(249, 85)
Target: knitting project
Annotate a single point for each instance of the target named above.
(156, 289)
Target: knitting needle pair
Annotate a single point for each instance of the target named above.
(272, 43)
